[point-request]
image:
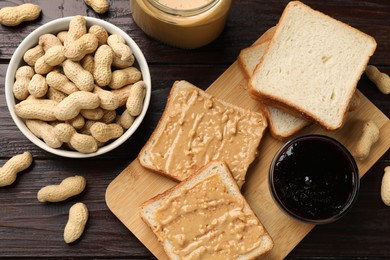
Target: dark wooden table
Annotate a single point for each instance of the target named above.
(29, 229)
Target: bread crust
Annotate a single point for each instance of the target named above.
(161, 124)
(292, 108)
(190, 181)
(269, 101)
(265, 108)
(153, 136)
(242, 62)
(265, 37)
(296, 111)
(272, 129)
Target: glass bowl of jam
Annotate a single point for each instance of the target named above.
(314, 179)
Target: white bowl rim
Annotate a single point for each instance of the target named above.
(63, 24)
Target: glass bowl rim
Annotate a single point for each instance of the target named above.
(355, 179)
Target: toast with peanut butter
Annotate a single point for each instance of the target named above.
(206, 217)
(197, 128)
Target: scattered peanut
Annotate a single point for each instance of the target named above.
(23, 76)
(38, 86)
(69, 187)
(78, 217)
(102, 65)
(370, 135)
(70, 107)
(124, 77)
(136, 97)
(12, 16)
(119, 47)
(105, 132)
(60, 82)
(355, 102)
(33, 54)
(380, 79)
(42, 109)
(13, 166)
(77, 49)
(80, 142)
(81, 78)
(99, 6)
(44, 131)
(385, 188)
(100, 33)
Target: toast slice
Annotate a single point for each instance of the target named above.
(250, 57)
(312, 65)
(206, 217)
(197, 128)
(281, 124)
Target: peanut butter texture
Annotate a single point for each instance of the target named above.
(184, 4)
(205, 221)
(201, 129)
(182, 31)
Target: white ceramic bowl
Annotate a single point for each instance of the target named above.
(54, 27)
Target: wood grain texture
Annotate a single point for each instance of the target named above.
(135, 184)
(30, 230)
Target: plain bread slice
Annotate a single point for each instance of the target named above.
(312, 65)
(281, 124)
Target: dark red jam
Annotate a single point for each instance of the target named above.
(314, 178)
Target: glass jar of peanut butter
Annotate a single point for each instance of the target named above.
(186, 24)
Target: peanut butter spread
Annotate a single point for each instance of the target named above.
(184, 5)
(200, 129)
(206, 221)
(181, 23)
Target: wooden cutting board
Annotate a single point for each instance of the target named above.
(135, 184)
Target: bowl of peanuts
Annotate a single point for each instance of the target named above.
(78, 87)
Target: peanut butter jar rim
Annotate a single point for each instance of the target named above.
(183, 12)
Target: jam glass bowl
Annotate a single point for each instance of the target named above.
(314, 179)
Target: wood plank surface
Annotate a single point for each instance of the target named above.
(31, 230)
(136, 184)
